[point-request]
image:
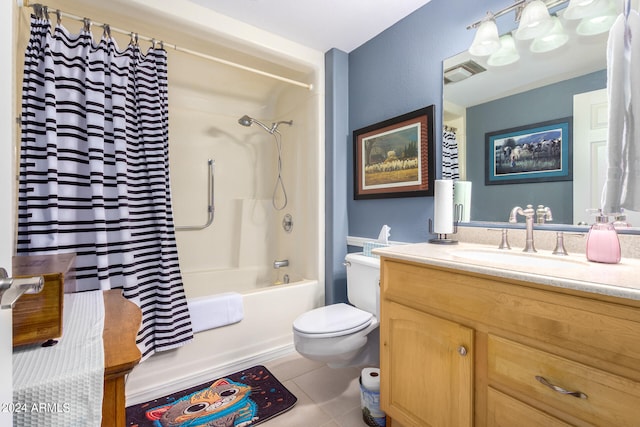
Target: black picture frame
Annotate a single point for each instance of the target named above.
(395, 157)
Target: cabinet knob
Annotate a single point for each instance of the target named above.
(462, 350)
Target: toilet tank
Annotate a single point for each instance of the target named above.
(363, 282)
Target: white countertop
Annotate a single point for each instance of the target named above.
(570, 272)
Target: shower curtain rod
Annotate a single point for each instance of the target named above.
(25, 3)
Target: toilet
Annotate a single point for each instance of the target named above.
(342, 334)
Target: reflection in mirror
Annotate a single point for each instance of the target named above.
(569, 82)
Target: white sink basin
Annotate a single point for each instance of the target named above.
(534, 261)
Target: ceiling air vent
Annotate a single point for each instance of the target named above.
(462, 71)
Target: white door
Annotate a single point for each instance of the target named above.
(7, 162)
(590, 126)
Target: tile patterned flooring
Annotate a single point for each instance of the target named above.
(326, 397)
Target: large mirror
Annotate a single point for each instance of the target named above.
(567, 83)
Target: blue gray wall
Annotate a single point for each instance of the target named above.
(548, 103)
(337, 137)
(396, 72)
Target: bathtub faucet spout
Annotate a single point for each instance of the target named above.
(281, 263)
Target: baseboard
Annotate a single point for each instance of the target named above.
(187, 381)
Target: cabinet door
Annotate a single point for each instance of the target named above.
(426, 368)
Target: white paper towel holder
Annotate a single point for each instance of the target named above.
(443, 239)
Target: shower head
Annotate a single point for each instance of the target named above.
(248, 121)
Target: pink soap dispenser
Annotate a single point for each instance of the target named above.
(603, 244)
(620, 221)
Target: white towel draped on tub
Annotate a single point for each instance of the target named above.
(63, 385)
(213, 311)
(622, 187)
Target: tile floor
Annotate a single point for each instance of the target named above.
(326, 397)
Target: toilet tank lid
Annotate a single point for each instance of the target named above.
(360, 258)
(332, 318)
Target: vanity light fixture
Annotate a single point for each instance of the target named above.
(535, 13)
(486, 40)
(535, 20)
(507, 54)
(595, 25)
(554, 39)
(579, 9)
(535, 23)
(598, 23)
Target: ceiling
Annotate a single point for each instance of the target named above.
(319, 24)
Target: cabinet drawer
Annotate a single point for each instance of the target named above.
(595, 331)
(609, 400)
(505, 411)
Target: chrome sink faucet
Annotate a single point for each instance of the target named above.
(528, 214)
(543, 214)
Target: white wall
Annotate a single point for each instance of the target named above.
(7, 196)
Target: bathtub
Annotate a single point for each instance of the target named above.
(263, 334)
(243, 280)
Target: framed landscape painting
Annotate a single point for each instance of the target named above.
(539, 152)
(394, 158)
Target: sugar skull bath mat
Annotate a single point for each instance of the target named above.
(245, 398)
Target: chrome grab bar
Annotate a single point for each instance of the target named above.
(211, 207)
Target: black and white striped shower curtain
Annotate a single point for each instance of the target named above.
(94, 172)
(450, 168)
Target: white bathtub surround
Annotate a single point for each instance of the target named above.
(214, 311)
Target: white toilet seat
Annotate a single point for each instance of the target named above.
(332, 321)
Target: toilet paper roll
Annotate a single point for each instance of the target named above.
(443, 206)
(370, 379)
(462, 196)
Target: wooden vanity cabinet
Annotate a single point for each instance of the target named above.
(428, 376)
(464, 349)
